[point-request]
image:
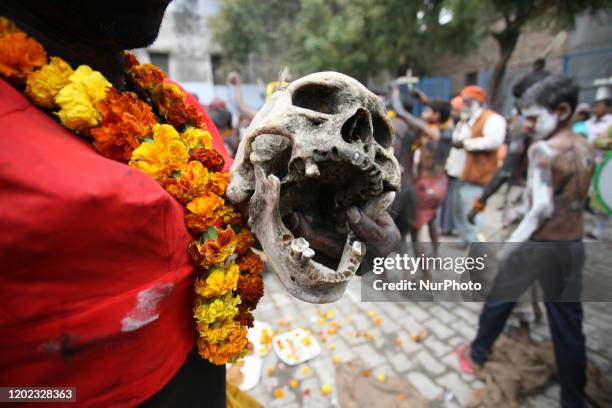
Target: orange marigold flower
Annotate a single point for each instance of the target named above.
(19, 55)
(245, 241)
(210, 158)
(189, 182)
(250, 263)
(7, 26)
(251, 289)
(218, 182)
(244, 316)
(166, 96)
(146, 76)
(204, 212)
(227, 351)
(129, 60)
(216, 251)
(209, 210)
(125, 121)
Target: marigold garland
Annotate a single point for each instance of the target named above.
(178, 154)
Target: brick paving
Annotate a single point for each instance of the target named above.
(380, 335)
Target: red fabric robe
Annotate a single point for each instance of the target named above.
(95, 281)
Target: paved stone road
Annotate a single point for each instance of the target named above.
(380, 335)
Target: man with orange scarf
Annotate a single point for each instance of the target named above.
(477, 138)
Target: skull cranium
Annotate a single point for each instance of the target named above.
(320, 145)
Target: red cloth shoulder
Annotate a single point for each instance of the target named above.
(96, 284)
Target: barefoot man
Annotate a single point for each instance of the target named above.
(547, 245)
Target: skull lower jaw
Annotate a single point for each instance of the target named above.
(290, 257)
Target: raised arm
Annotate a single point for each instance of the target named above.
(234, 79)
(412, 121)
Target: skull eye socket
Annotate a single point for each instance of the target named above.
(383, 134)
(358, 127)
(317, 97)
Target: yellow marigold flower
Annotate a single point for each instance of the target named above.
(220, 308)
(163, 155)
(197, 138)
(190, 181)
(43, 85)
(219, 281)
(7, 26)
(19, 55)
(77, 100)
(218, 331)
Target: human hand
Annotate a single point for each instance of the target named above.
(472, 216)
(233, 78)
(379, 235)
(458, 144)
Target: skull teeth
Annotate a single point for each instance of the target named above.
(312, 170)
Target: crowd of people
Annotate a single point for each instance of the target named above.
(454, 156)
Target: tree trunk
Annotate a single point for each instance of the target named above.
(506, 40)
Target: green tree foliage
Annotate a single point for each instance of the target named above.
(363, 38)
(358, 37)
(504, 20)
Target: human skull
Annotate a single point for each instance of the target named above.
(320, 145)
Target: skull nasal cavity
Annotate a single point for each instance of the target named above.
(358, 127)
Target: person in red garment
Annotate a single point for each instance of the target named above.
(96, 285)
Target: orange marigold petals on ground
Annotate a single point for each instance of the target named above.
(125, 121)
(146, 76)
(250, 263)
(20, 55)
(211, 159)
(42, 86)
(226, 351)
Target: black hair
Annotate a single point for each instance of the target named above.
(442, 107)
(605, 101)
(527, 81)
(551, 92)
(222, 118)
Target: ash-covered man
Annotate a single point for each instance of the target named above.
(547, 245)
(96, 285)
(475, 142)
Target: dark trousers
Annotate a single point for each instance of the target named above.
(198, 383)
(557, 266)
(566, 330)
